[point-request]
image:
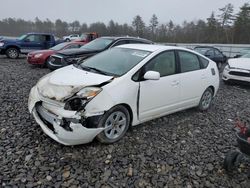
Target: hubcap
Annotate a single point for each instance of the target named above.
(12, 53)
(115, 125)
(206, 99)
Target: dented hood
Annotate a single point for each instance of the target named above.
(65, 82)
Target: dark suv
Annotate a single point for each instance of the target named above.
(66, 57)
(212, 53)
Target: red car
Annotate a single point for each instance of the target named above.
(40, 57)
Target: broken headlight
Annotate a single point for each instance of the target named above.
(79, 101)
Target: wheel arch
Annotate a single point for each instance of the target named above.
(13, 46)
(213, 89)
(129, 110)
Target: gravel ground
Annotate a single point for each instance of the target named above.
(185, 149)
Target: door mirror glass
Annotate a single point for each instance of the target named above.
(152, 75)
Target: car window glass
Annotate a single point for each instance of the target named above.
(121, 42)
(210, 53)
(217, 53)
(204, 62)
(116, 61)
(30, 38)
(72, 46)
(163, 63)
(98, 44)
(188, 61)
(137, 42)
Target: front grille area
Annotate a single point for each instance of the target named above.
(236, 73)
(48, 124)
(56, 60)
(46, 117)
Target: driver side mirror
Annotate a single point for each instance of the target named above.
(152, 75)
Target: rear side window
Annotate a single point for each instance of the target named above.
(188, 61)
(204, 62)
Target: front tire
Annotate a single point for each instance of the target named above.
(206, 99)
(12, 53)
(67, 40)
(116, 123)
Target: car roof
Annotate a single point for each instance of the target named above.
(125, 37)
(151, 47)
(39, 33)
(206, 47)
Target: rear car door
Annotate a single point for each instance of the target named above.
(193, 78)
(158, 97)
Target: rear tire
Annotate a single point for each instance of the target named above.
(12, 53)
(116, 121)
(206, 99)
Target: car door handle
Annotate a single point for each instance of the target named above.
(175, 83)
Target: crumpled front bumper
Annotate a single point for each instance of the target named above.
(51, 118)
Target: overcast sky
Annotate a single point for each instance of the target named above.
(121, 11)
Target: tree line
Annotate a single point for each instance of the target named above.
(226, 27)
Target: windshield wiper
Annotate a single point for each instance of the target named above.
(94, 69)
(99, 71)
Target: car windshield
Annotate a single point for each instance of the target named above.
(98, 44)
(22, 37)
(115, 62)
(246, 56)
(59, 46)
(202, 50)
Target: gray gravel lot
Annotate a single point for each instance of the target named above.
(185, 149)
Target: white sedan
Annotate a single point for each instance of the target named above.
(237, 69)
(125, 86)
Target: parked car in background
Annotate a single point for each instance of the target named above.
(237, 70)
(242, 52)
(41, 57)
(67, 57)
(71, 37)
(87, 37)
(212, 53)
(27, 43)
(126, 85)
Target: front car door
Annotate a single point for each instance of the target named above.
(159, 97)
(32, 42)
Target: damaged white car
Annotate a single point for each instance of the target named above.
(125, 86)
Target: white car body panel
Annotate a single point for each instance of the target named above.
(164, 93)
(145, 100)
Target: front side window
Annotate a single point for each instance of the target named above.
(164, 63)
(188, 61)
(115, 62)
